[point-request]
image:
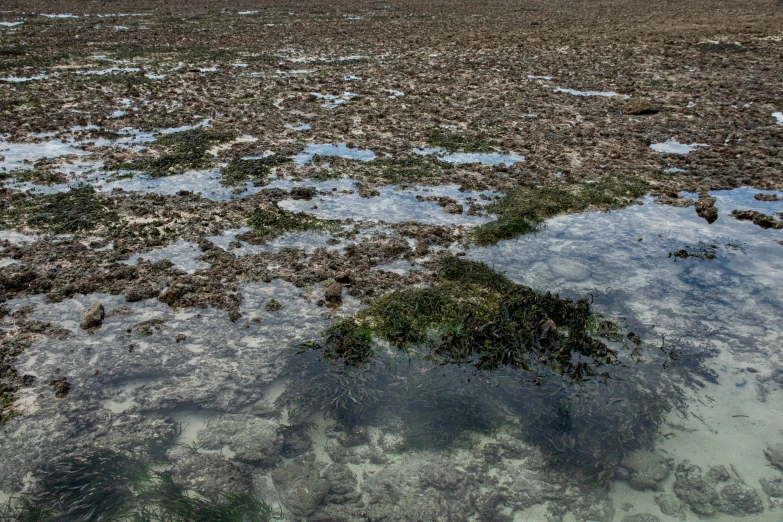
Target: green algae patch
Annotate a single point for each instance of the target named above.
(179, 152)
(7, 411)
(79, 209)
(522, 210)
(240, 171)
(460, 142)
(268, 223)
(475, 352)
(35, 176)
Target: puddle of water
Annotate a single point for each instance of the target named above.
(218, 367)
(530, 77)
(10, 24)
(332, 100)
(110, 70)
(21, 79)
(298, 126)
(22, 155)
(778, 117)
(63, 15)
(182, 253)
(391, 206)
(341, 150)
(675, 147)
(399, 267)
(606, 94)
(460, 158)
(730, 301)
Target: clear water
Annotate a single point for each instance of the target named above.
(341, 150)
(605, 94)
(675, 147)
(461, 158)
(198, 367)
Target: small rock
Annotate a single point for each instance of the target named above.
(774, 488)
(252, 439)
(670, 505)
(208, 474)
(705, 207)
(139, 292)
(453, 208)
(641, 517)
(774, 453)
(61, 387)
(719, 474)
(356, 436)
(92, 318)
(341, 479)
(739, 499)
(691, 488)
(299, 485)
(334, 292)
(306, 193)
(639, 107)
(296, 442)
(647, 470)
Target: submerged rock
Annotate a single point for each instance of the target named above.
(252, 439)
(670, 505)
(92, 318)
(773, 487)
(641, 517)
(647, 470)
(342, 480)
(208, 474)
(691, 488)
(300, 486)
(774, 453)
(739, 499)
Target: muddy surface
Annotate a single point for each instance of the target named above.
(192, 193)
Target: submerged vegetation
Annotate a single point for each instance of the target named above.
(269, 223)
(475, 351)
(179, 152)
(109, 485)
(523, 209)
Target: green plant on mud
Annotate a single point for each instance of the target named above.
(460, 142)
(240, 171)
(179, 152)
(272, 222)
(523, 209)
(106, 485)
(60, 213)
(7, 411)
(476, 350)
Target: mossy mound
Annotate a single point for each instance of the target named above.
(475, 351)
(240, 171)
(523, 209)
(179, 152)
(79, 209)
(272, 222)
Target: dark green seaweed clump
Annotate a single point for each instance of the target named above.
(523, 209)
(475, 351)
(60, 213)
(460, 142)
(104, 485)
(241, 171)
(179, 152)
(272, 222)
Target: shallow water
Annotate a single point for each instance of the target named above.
(605, 94)
(461, 158)
(341, 150)
(675, 147)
